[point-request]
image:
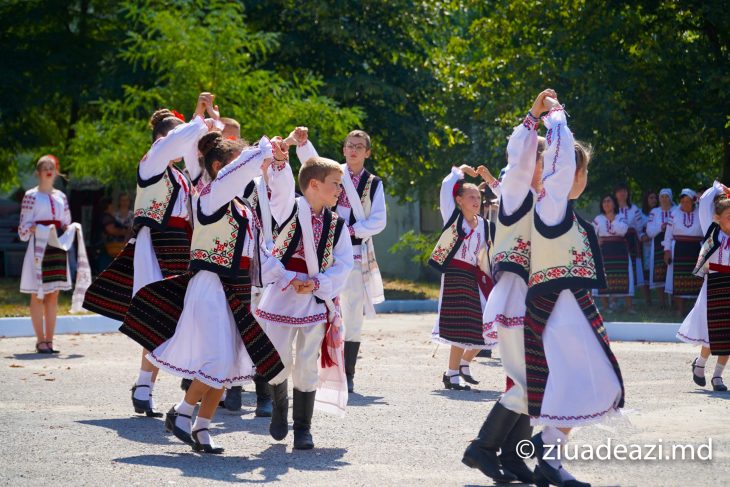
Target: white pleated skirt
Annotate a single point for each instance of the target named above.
(694, 327)
(206, 345)
(582, 387)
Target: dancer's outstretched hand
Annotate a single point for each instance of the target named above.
(540, 105)
(468, 170)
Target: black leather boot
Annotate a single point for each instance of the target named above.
(510, 458)
(482, 452)
(302, 415)
(185, 384)
(280, 411)
(263, 397)
(351, 349)
(232, 402)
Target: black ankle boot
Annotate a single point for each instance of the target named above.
(510, 458)
(185, 384)
(232, 402)
(280, 411)
(351, 349)
(302, 415)
(482, 452)
(263, 397)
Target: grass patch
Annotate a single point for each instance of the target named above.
(14, 303)
(404, 289)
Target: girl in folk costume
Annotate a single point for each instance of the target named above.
(205, 331)
(632, 214)
(611, 228)
(682, 242)
(299, 310)
(659, 218)
(708, 324)
(649, 202)
(362, 205)
(462, 256)
(508, 423)
(573, 378)
(45, 223)
(160, 246)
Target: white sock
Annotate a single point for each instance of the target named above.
(553, 436)
(144, 379)
(463, 364)
(718, 370)
(698, 368)
(453, 375)
(223, 397)
(184, 408)
(203, 436)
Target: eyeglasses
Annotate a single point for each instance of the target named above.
(357, 147)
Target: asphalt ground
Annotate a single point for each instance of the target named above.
(68, 420)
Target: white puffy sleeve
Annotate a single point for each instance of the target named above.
(306, 152)
(329, 284)
(66, 215)
(234, 176)
(375, 223)
(620, 226)
(707, 205)
(179, 142)
(521, 154)
(26, 217)
(669, 232)
(281, 183)
(559, 168)
(654, 224)
(446, 196)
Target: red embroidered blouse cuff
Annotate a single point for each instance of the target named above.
(494, 184)
(531, 122)
(316, 284)
(279, 165)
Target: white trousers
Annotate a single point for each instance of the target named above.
(308, 343)
(352, 303)
(512, 353)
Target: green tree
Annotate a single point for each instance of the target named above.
(189, 47)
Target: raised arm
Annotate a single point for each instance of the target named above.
(230, 180)
(707, 205)
(281, 183)
(446, 196)
(180, 141)
(559, 168)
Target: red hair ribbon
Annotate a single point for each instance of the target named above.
(178, 115)
(457, 187)
(55, 161)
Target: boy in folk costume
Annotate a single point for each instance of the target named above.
(362, 205)
(160, 246)
(493, 452)
(682, 241)
(656, 226)
(299, 309)
(462, 256)
(573, 378)
(708, 324)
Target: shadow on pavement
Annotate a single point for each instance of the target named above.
(474, 395)
(137, 428)
(43, 356)
(269, 465)
(355, 399)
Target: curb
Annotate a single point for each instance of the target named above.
(617, 331)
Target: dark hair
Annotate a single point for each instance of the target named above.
(104, 203)
(625, 186)
(215, 148)
(162, 121)
(615, 203)
(645, 201)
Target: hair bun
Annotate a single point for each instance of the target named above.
(209, 141)
(159, 116)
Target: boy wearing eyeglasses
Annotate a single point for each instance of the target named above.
(362, 205)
